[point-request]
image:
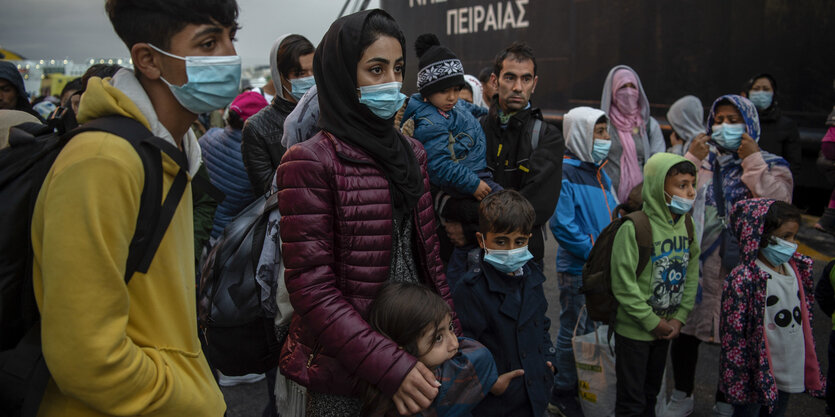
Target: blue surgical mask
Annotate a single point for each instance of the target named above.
(761, 99)
(600, 150)
(212, 84)
(384, 100)
(779, 251)
(728, 136)
(301, 85)
(507, 261)
(679, 205)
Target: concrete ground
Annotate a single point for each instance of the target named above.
(249, 400)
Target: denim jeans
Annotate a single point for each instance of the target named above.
(571, 301)
(756, 410)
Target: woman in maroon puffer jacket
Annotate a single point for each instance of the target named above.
(356, 213)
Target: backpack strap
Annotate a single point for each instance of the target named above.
(643, 236)
(688, 223)
(536, 133)
(155, 214)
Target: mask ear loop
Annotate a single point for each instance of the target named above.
(172, 56)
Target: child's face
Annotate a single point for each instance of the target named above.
(682, 185)
(445, 99)
(787, 231)
(502, 241)
(601, 131)
(440, 344)
(466, 95)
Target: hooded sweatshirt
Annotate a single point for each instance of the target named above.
(686, 116)
(586, 198)
(261, 146)
(112, 348)
(667, 286)
(9, 72)
(648, 138)
(745, 358)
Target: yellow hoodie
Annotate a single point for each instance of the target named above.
(115, 349)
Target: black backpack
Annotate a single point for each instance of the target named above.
(597, 278)
(23, 166)
(236, 301)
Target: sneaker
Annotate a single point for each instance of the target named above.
(680, 405)
(231, 381)
(721, 409)
(565, 405)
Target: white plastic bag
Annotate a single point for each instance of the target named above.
(595, 362)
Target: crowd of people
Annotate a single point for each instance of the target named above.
(412, 229)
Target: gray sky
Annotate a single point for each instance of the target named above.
(79, 29)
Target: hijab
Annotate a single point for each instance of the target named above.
(342, 115)
(628, 111)
(729, 163)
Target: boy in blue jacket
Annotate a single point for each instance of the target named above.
(583, 210)
(500, 302)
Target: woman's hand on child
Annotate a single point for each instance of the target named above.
(748, 147)
(504, 380)
(482, 191)
(551, 367)
(663, 329)
(676, 325)
(417, 391)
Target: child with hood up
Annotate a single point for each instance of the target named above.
(767, 305)
(584, 209)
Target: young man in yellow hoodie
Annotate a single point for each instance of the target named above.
(127, 349)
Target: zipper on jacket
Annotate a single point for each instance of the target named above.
(316, 348)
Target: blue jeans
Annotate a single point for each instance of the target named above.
(756, 410)
(571, 301)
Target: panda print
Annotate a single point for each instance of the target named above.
(784, 329)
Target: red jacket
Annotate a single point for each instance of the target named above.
(336, 228)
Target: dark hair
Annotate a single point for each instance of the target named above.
(517, 51)
(156, 21)
(291, 48)
(683, 167)
(74, 85)
(467, 86)
(750, 83)
(401, 311)
(379, 23)
(780, 212)
(505, 211)
(484, 75)
(602, 119)
(234, 120)
(99, 70)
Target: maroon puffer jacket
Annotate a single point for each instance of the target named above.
(336, 229)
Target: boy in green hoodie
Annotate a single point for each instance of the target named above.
(654, 305)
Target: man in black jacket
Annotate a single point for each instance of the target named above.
(523, 155)
(291, 61)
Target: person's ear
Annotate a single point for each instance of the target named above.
(743, 94)
(145, 61)
(494, 80)
(535, 79)
(480, 238)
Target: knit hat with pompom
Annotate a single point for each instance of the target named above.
(439, 67)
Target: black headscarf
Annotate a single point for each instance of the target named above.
(341, 114)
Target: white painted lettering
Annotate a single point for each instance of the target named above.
(490, 20)
(463, 20)
(452, 22)
(509, 17)
(477, 17)
(520, 21)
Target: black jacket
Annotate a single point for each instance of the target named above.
(535, 173)
(780, 136)
(261, 143)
